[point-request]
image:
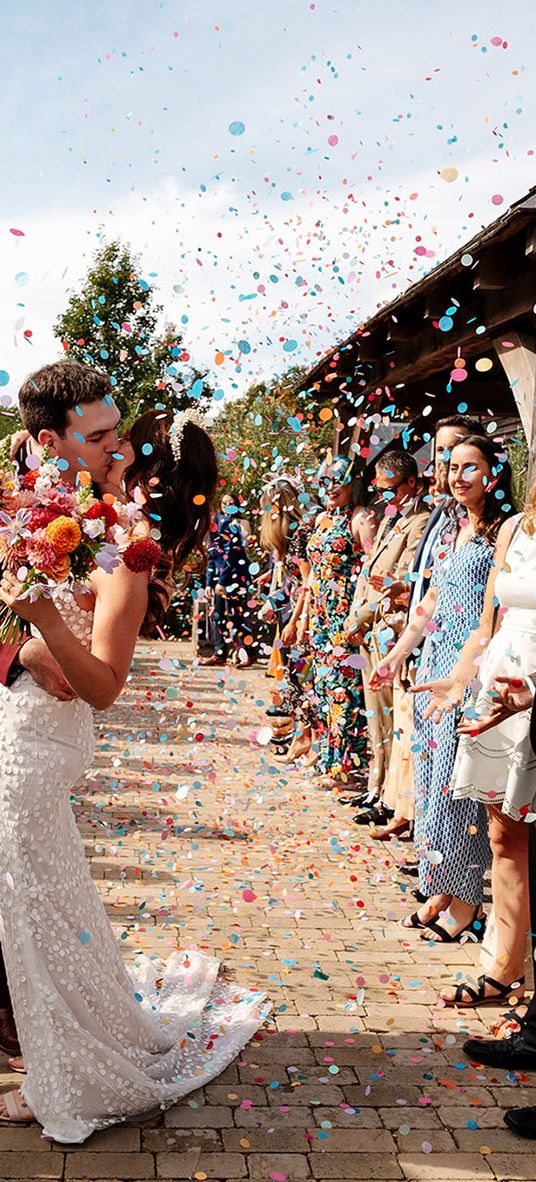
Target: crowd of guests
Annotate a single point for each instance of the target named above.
(396, 609)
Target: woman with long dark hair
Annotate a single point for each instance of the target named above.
(497, 766)
(451, 835)
(100, 1045)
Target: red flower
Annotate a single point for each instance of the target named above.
(103, 509)
(30, 478)
(142, 555)
(41, 517)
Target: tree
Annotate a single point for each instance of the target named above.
(9, 422)
(269, 430)
(112, 324)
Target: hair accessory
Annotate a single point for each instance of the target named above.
(176, 431)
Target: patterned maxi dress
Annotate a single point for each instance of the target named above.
(451, 835)
(335, 558)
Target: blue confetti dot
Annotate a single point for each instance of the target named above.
(21, 278)
(290, 346)
(286, 196)
(85, 938)
(446, 323)
(237, 127)
(4, 377)
(244, 347)
(147, 449)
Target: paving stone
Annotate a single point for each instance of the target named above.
(30, 1165)
(444, 1167)
(83, 1164)
(366, 1166)
(513, 1166)
(209, 1116)
(293, 1166)
(215, 1165)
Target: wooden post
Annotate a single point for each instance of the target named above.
(517, 354)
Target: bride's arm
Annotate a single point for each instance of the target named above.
(96, 676)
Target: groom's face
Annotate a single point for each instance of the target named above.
(89, 441)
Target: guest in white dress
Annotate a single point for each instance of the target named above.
(497, 766)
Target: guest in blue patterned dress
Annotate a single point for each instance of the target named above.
(450, 834)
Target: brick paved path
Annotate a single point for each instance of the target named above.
(359, 1076)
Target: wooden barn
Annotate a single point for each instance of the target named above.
(463, 338)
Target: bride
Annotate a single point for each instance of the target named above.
(100, 1043)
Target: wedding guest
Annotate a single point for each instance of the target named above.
(399, 789)
(451, 835)
(497, 766)
(226, 582)
(286, 520)
(378, 611)
(342, 535)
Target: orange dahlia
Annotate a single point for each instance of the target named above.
(60, 570)
(64, 534)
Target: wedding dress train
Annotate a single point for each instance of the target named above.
(100, 1043)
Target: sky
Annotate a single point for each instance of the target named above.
(282, 169)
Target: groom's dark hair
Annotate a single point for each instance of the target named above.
(49, 393)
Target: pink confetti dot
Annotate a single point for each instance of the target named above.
(17, 233)
(497, 199)
(248, 896)
(333, 140)
(496, 40)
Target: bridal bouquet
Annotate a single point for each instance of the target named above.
(53, 535)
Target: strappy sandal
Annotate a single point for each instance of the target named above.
(415, 921)
(475, 928)
(478, 997)
(17, 1110)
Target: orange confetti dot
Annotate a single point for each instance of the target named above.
(199, 499)
(84, 478)
(325, 414)
(219, 359)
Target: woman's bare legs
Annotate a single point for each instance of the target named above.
(510, 893)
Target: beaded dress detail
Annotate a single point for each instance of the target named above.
(101, 1043)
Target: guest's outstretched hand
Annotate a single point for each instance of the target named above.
(511, 695)
(446, 695)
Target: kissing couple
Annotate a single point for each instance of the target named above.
(100, 1044)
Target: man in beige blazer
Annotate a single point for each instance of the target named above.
(379, 607)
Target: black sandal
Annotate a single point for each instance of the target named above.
(475, 928)
(478, 997)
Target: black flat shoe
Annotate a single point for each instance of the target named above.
(373, 816)
(411, 871)
(510, 1054)
(522, 1121)
(355, 802)
(418, 895)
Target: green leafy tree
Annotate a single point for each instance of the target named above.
(112, 323)
(9, 423)
(269, 430)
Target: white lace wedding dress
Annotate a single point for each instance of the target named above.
(100, 1043)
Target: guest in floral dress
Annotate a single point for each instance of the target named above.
(335, 550)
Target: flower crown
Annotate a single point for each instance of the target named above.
(176, 431)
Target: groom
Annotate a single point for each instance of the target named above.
(67, 408)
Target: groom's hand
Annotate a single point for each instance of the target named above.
(38, 661)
